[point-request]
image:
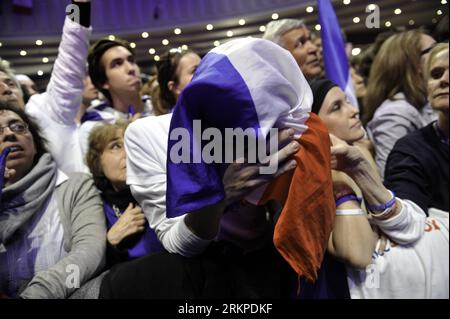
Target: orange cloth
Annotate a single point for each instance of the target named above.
(306, 221)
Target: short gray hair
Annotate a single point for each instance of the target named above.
(6, 68)
(276, 29)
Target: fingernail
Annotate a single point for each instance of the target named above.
(293, 164)
(295, 146)
(291, 132)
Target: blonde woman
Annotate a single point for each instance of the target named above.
(396, 98)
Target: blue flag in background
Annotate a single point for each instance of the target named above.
(335, 58)
(3, 156)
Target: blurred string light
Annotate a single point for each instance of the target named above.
(356, 51)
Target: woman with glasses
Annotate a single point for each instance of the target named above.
(129, 235)
(52, 227)
(396, 97)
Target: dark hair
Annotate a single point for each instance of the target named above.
(39, 141)
(96, 69)
(167, 69)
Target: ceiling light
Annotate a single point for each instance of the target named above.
(156, 58)
(356, 51)
(371, 7)
(275, 16)
(144, 35)
(111, 37)
(39, 42)
(23, 53)
(229, 34)
(1, 44)
(216, 43)
(44, 60)
(241, 22)
(398, 11)
(317, 27)
(444, 2)
(177, 31)
(133, 45)
(209, 27)
(388, 24)
(165, 42)
(439, 12)
(356, 20)
(411, 22)
(151, 51)
(309, 9)
(346, 2)
(262, 28)
(184, 47)
(40, 73)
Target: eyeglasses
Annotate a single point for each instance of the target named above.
(16, 127)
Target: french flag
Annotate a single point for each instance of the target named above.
(335, 58)
(254, 83)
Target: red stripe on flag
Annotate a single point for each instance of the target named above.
(306, 221)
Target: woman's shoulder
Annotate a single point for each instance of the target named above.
(397, 105)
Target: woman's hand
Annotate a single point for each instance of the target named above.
(345, 157)
(240, 179)
(131, 222)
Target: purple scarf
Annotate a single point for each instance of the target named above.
(147, 242)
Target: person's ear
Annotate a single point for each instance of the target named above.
(171, 86)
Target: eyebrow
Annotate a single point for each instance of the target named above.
(114, 61)
(114, 140)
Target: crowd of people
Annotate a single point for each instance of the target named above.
(94, 205)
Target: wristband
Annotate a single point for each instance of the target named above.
(347, 198)
(383, 207)
(350, 212)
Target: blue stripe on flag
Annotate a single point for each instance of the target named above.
(334, 55)
(217, 92)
